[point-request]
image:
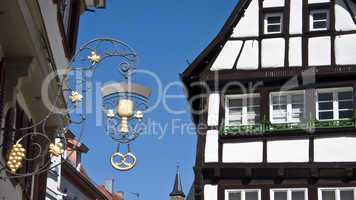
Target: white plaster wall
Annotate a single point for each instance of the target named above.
(318, 1)
(49, 13)
(248, 24)
(52, 187)
(319, 51)
(246, 152)
(336, 149)
(273, 3)
(227, 57)
(343, 18)
(212, 146)
(249, 56)
(273, 51)
(286, 151)
(213, 110)
(345, 48)
(210, 192)
(296, 16)
(54, 179)
(295, 52)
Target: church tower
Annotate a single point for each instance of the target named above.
(177, 192)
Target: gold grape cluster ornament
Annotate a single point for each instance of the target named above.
(16, 156)
(56, 149)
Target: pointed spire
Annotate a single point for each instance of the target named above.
(177, 189)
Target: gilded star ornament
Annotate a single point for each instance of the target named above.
(56, 149)
(110, 113)
(139, 115)
(16, 156)
(94, 58)
(75, 97)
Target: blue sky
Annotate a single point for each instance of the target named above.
(165, 34)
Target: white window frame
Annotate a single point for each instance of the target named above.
(337, 191)
(289, 104)
(245, 99)
(311, 19)
(334, 91)
(276, 14)
(243, 193)
(289, 192)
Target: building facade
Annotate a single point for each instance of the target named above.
(273, 98)
(37, 37)
(69, 180)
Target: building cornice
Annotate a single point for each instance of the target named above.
(82, 182)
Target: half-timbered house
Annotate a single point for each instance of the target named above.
(273, 98)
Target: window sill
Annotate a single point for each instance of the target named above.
(265, 128)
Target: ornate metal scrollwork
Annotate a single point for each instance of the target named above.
(74, 84)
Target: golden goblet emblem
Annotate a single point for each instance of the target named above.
(125, 109)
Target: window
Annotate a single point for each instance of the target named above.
(289, 194)
(319, 20)
(334, 104)
(273, 23)
(242, 110)
(336, 194)
(287, 107)
(65, 9)
(250, 194)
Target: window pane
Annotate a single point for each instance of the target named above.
(298, 195)
(235, 116)
(344, 95)
(253, 101)
(279, 99)
(236, 110)
(279, 113)
(280, 195)
(298, 98)
(326, 106)
(251, 195)
(345, 114)
(328, 195)
(325, 96)
(234, 195)
(347, 195)
(280, 108)
(345, 105)
(274, 20)
(326, 115)
(253, 110)
(320, 16)
(320, 25)
(235, 103)
(297, 114)
(274, 28)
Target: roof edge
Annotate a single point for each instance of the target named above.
(224, 32)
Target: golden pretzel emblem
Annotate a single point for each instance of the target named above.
(123, 164)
